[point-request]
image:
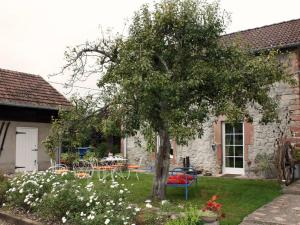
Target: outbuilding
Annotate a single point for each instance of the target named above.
(27, 105)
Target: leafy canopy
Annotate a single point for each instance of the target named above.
(76, 126)
(172, 71)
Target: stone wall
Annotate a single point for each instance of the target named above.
(136, 152)
(260, 138)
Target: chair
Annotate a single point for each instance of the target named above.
(102, 167)
(119, 166)
(135, 168)
(58, 169)
(83, 169)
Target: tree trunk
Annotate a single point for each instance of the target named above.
(162, 164)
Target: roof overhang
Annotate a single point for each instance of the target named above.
(24, 105)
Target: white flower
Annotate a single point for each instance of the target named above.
(91, 217)
(67, 213)
(21, 191)
(148, 201)
(164, 202)
(107, 221)
(64, 219)
(137, 209)
(121, 191)
(148, 205)
(88, 204)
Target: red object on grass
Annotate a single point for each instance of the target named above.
(179, 179)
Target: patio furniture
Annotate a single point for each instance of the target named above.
(59, 169)
(119, 165)
(102, 169)
(135, 168)
(112, 165)
(83, 169)
(182, 178)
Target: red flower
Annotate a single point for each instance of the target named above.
(214, 198)
(214, 206)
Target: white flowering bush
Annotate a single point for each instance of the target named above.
(70, 200)
(27, 190)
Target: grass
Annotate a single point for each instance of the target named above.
(238, 196)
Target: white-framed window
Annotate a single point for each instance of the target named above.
(233, 147)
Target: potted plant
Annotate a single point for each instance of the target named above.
(212, 211)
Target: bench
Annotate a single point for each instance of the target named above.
(182, 178)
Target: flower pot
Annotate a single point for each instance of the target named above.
(209, 219)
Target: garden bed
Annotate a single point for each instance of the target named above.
(238, 196)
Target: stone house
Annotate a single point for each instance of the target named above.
(224, 149)
(27, 104)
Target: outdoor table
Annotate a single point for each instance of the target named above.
(115, 165)
(113, 159)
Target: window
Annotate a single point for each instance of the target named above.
(233, 142)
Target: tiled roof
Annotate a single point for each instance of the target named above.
(280, 35)
(22, 89)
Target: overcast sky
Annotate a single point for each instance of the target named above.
(35, 33)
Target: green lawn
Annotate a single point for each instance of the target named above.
(238, 196)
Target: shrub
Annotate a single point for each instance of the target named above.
(3, 187)
(69, 158)
(264, 164)
(70, 200)
(90, 155)
(192, 217)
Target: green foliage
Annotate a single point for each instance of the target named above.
(297, 154)
(173, 73)
(69, 158)
(90, 155)
(101, 150)
(76, 126)
(239, 197)
(264, 163)
(63, 198)
(4, 185)
(192, 217)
